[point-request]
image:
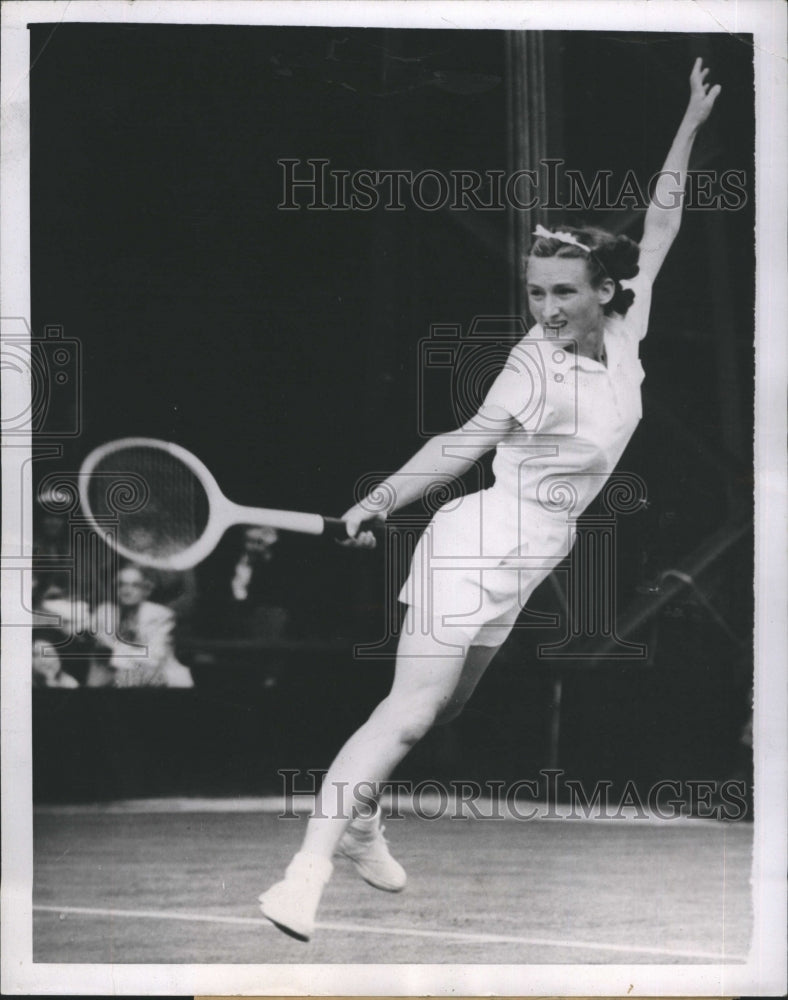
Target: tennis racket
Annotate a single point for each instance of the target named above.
(158, 505)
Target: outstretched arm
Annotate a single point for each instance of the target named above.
(663, 217)
(442, 459)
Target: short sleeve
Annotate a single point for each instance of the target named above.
(507, 387)
(636, 320)
(514, 386)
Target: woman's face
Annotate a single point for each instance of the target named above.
(132, 588)
(562, 299)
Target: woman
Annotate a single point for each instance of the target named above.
(590, 291)
(47, 669)
(137, 639)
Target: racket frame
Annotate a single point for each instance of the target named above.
(222, 513)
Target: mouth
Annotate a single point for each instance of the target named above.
(554, 327)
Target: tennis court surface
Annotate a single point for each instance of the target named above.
(131, 884)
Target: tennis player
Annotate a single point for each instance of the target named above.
(480, 559)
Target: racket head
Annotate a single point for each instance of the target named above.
(153, 501)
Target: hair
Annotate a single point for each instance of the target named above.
(610, 256)
(147, 577)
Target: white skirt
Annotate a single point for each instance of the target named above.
(478, 562)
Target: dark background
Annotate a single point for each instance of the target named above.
(283, 347)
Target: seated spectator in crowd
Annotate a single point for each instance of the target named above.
(137, 638)
(66, 619)
(57, 607)
(71, 564)
(242, 595)
(47, 669)
(177, 589)
(52, 554)
(242, 592)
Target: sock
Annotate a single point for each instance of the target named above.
(312, 868)
(367, 824)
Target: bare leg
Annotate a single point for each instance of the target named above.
(427, 677)
(476, 662)
(431, 679)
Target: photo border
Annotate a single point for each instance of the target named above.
(765, 971)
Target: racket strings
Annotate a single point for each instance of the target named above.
(151, 500)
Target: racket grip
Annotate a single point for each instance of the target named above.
(335, 528)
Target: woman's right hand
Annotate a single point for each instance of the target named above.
(358, 537)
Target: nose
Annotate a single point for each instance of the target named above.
(551, 308)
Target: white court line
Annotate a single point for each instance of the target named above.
(477, 938)
(301, 805)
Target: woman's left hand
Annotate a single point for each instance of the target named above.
(702, 97)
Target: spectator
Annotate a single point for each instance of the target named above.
(47, 669)
(52, 555)
(137, 637)
(241, 588)
(66, 619)
(70, 564)
(52, 600)
(177, 589)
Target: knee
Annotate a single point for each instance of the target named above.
(408, 720)
(416, 727)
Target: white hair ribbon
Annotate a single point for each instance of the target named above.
(561, 237)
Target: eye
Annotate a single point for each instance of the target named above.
(535, 293)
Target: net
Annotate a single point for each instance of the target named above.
(149, 500)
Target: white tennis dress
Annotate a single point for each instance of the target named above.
(482, 556)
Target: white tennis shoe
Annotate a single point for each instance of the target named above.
(291, 905)
(363, 843)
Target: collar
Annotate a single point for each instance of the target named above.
(579, 361)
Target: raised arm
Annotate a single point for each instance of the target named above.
(443, 458)
(663, 217)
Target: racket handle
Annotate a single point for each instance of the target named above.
(335, 528)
